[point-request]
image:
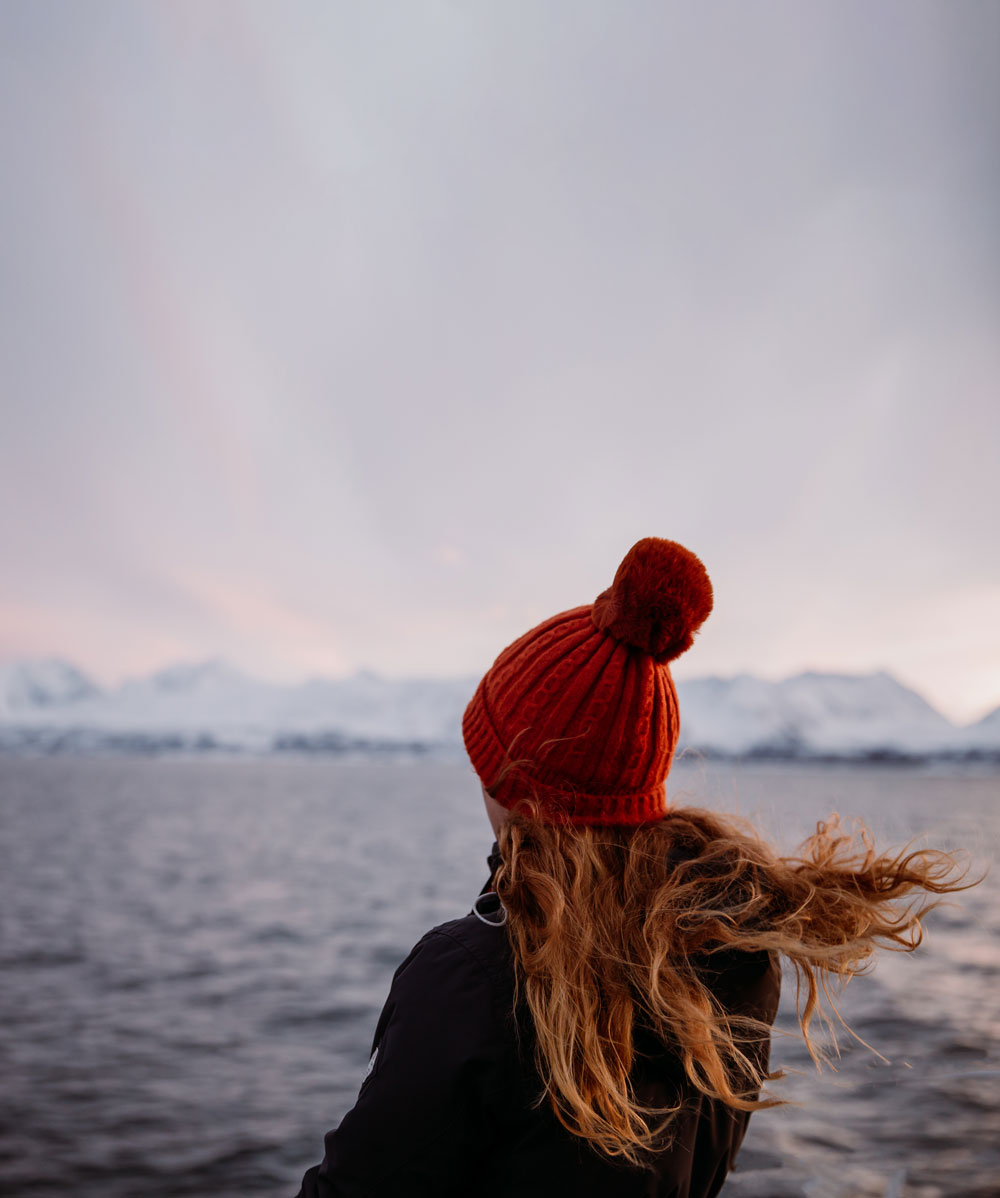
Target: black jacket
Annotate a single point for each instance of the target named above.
(448, 1104)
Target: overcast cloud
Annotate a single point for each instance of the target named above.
(340, 335)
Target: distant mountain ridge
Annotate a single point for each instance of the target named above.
(49, 705)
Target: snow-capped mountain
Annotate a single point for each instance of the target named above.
(28, 687)
(210, 704)
(205, 695)
(984, 735)
(844, 715)
(50, 705)
(369, 706)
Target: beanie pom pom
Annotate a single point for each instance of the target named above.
(659, 599)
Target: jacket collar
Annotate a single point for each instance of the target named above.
(493, 864)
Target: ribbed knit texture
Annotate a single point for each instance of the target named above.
(577, 718)
(579, 722)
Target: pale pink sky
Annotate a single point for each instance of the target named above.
(343, 335)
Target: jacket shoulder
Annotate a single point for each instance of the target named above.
(484, 945)
(438, 1081)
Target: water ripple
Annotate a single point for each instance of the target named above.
(193, 955)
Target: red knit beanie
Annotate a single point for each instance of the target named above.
(580, 714)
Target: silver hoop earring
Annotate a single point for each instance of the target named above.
(493, 923)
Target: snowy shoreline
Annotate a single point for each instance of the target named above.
(50, 707)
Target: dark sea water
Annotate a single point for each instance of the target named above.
(193, 954)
